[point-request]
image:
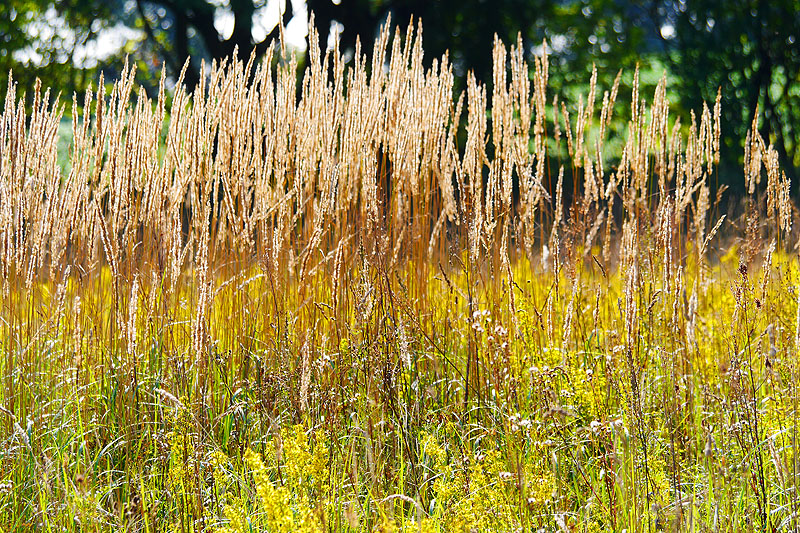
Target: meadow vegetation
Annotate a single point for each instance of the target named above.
(352, 299)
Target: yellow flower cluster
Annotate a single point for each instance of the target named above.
(479, 496)
(287, 503)
(181, 449)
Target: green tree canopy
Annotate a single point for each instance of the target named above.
(51, 40)
(749, 50)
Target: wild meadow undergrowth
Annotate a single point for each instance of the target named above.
(363, 302)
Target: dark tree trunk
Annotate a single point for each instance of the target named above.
(242, 36)
(192, 77)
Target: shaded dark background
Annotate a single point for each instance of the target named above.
(747, 48)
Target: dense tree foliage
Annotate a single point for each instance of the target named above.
(48, 40)
(748, 49)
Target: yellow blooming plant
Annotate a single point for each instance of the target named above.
(290, 492)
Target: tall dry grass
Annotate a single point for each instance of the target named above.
(360, 249)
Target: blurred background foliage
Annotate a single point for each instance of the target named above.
(746, 48)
